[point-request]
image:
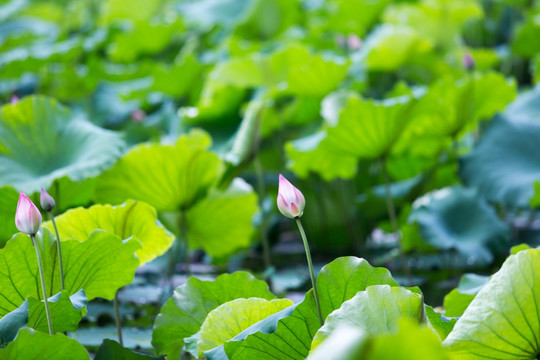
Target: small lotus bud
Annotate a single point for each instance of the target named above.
(290, 200)
(354, 42)
(468, 62)
(27, 217)
(138, 116)
(46, 201)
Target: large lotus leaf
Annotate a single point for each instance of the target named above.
(443, 325)
(389, 47)
(66, 312)
(231, 212)
(377, 310)
(35, 345)
(346, 16)
(100, 265)
(230, 319)
(458, 219)
(110, 349)
(452, 106)
(535, 200)
(439, 20)
(368, 128)
(504, 165)
(138, 10)
(503, 321)
(459, 299)
(133, 218)
(8, 205)
(337, 282)
(411, 342)
(184, 313)
(525, 38)
(294, 69)
(41, 142)
(311, 154)
(266, 326)
(168, 177)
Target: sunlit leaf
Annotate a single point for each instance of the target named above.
(168, 177)
(229, 319)
(503, 321)
(231, 212)
(41, 142)
(184, 313)
(459, 299)
(100, 265)
(133, 218)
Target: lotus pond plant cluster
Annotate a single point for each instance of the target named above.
(269, 179)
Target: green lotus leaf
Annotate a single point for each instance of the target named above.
(265, 326)
(458, 219)
(535, 200)
(337, 282)
(377, 310)
(293, 68)
(346, 16)
(133, 218)
(452, 106)
(311, 154)
(503, 320)
(411, 341)
(388, 47)
(8, 205)
(40, 142)
(524, 39)
(492, 166)
(459, 299)
(443, 325)
(100, 265)
(426, 18)
(66, 312)
(184, 313)
(230, 319)
(110, 349)
(35, 345)
(168, 177)
(231, 212)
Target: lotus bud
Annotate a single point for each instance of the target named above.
(290, 200)
(468, 62)
(46, 201)
(27, 217)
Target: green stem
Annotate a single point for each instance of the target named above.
(118, 319)
(260, 189)
(43, 288)
(183, 234)
(311, 273)
(59, 248)
(393, 221)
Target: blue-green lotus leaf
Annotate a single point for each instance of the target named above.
(41, 141)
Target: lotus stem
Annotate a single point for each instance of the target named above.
(393, 221)
(311, 273)
(118, 319)
(43, 288)
(59, 248)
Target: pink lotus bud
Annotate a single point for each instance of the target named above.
(47, 202)
(290, 200)
(27, 217)
(138, 116)
(468, 62)
(354, 42)
(14, 99)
